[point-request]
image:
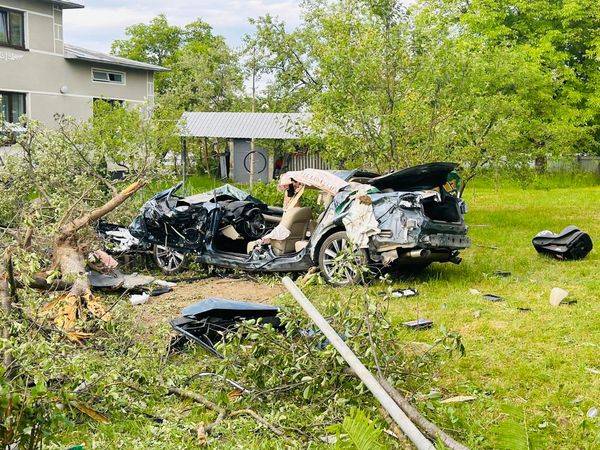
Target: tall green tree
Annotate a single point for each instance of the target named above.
(205, 73)
(396, 86)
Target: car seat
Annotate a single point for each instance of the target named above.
(297, 221)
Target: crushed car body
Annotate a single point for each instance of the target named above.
(409, 218)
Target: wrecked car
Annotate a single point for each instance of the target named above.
(408, 218)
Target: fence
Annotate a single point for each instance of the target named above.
(300, 161)
(579, 163)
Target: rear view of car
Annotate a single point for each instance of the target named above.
(411, 218)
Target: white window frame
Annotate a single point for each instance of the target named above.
(109, 71)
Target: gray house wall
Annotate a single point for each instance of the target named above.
(42, 70)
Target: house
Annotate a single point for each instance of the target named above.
(238, 129)
(40, 75)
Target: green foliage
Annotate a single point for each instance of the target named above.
(391, 86)
(357, 432)
(268, 193)
(512, 433)
(60, 174)
(205, 74)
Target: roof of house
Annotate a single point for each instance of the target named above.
(243, 125)
(65, 4)
(83, 54)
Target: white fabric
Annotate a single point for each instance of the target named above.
(360, 222)
(279, 233)
(320, 179)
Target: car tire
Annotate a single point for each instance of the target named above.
(168, 260)
(334, 268)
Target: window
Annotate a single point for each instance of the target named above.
(106, 76)
(12, 29)
(12, 105)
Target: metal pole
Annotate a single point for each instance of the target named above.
(407, 427)
(252, 148)
(184, 159)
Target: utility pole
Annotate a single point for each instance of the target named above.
(252, 147)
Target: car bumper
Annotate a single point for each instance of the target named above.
(445, 241)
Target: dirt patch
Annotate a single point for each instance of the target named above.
(166, 307)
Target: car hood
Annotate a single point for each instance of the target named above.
(417, 178)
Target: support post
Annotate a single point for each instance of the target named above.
(206, 157)
(184, 160)
(405, 424)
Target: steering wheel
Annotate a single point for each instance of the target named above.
(254, 226)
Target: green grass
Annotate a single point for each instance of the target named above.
(533, 363)
(536, 360)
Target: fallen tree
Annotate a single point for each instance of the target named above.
(61, 182)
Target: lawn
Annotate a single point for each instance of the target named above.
(522, 352)
(530, 365)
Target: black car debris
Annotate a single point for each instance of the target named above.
(410, 218)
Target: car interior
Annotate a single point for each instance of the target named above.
(298, 220)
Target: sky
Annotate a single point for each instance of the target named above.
(102, 21)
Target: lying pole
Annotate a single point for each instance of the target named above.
(429, 428)
(388, 403)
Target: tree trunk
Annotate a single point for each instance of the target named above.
(69, 258)
(71, 263)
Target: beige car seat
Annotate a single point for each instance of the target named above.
(296, 220)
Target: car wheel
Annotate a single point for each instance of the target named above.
(341, 264)
(168, 260)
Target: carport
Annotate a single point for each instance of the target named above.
(241, 129)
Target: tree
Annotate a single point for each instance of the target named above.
(205, 76)
(285, 57)
(205, 73)
(59, 184)
(397, 86)
(154, 43)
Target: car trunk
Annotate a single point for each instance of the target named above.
(446, 210)
(432, 176)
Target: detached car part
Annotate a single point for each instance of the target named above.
(570, 244)
(207, 322)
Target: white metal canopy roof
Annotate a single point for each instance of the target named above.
(243, 125)
(83, 54)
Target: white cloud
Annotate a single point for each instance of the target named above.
(101, 22)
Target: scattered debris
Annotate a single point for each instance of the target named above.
(164, 283)
(459, 399)
(502, 274)
(139, 299)
(391, 406)
(593, 412)
(477, 314)
(592, 370)
(208, 321)
(570, 244)
(406, 292)
(524, 309)
(104, 259)
(490, 247)
(113, 280)
(159, 290)
(474, 292)
(493, 297)
(419, 324)
(557, 296)
(135, 281)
